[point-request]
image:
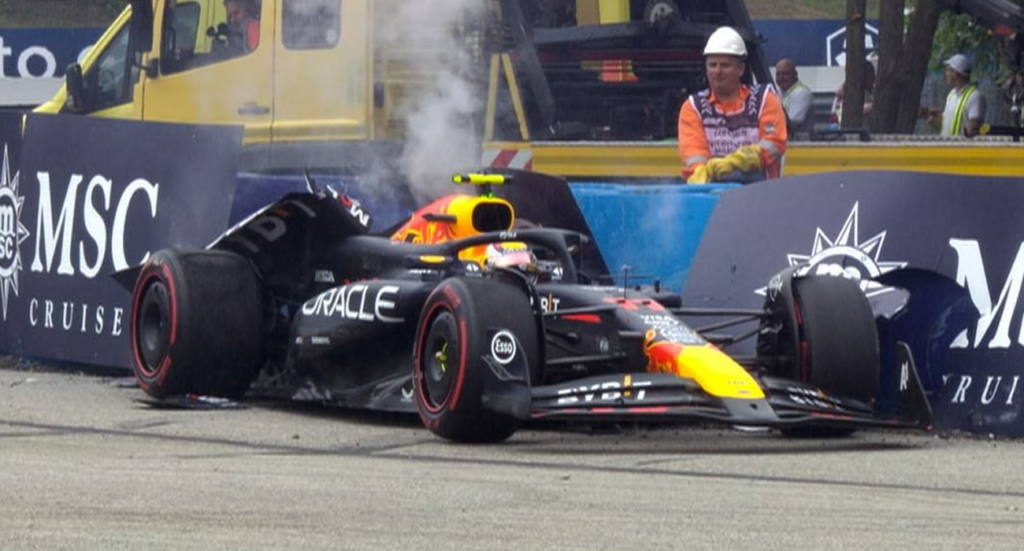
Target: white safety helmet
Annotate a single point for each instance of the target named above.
(726, 41)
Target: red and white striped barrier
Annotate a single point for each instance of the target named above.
(521, 159)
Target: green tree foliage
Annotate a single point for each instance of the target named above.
(993, 53)
(930, 35)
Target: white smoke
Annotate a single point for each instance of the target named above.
(441, 112)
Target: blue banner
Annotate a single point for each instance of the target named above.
(43, 53)
(811, 42)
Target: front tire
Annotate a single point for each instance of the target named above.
(839, 333)
(837, 345)
(196, 324)
(451, 342)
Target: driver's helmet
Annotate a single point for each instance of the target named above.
(511, 255)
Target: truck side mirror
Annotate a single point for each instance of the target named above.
(141, 26)
(75, 86)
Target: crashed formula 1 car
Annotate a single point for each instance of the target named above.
(480, 326)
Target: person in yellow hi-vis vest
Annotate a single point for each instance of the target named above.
(964, 113)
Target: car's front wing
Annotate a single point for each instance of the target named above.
(661, 397)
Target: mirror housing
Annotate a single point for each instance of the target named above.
(75, 87)
(141, 26)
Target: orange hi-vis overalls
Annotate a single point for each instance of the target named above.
(711, 128)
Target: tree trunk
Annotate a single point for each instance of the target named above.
(917, 54)
(892, 78)
(853, 90)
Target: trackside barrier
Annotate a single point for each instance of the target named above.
(81, 198)
(861, 224)
(88, 197)
(653, 229)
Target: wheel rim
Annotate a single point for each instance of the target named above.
(154, 323)
(440, 359)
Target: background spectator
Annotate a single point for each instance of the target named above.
(797, 99)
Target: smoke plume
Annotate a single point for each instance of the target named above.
(430, 41)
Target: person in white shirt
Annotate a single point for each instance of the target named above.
(797, 99)
(965, 106)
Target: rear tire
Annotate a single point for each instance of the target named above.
(452, 339)
(196, 324)
(838, 344)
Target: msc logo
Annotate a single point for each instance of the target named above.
(993, 329)
(12, 233)
(846, 255)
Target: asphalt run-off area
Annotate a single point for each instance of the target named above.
(85, 464)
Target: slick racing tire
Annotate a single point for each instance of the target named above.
(451, 341)
(837, 334)
(196, 324)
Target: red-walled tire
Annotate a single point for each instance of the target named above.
(837, 329)
(451, 340)
(839, 343)
(196, 324)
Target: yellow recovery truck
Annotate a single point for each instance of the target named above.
(306, 94)
(588, 89)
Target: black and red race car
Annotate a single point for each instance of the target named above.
(480, 326)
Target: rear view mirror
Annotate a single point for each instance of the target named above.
(75, 87)
(141, 30)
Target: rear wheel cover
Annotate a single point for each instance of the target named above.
(153, 333)
(441, 360)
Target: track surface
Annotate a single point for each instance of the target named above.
(85, 466)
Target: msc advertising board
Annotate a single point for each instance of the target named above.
(865, 224)
(87, 197)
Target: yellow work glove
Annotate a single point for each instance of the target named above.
(744, 159)
(699, 176)
(719, 167)
(747, 158)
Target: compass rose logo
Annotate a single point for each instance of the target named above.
(846, 256)
(12, 232)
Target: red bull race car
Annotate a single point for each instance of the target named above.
(480, 326)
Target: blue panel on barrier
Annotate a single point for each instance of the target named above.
(654, 228)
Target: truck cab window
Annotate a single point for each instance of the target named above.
(310, 24)
(179, 39)
(110, 80)
(203, 32)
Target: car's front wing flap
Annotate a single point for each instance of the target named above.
(662, 397)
